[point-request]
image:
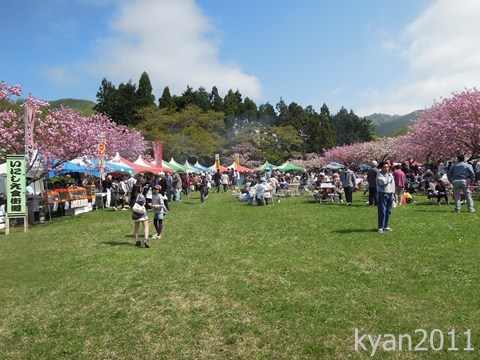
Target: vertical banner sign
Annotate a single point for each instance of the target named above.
(237, 160)
(16, 201)
(101, 152)
(270, 170)
(30, 113)
(157, 153)
(217, 161)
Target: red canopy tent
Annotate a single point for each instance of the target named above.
(141, 161)
(163, 167)
(240, 168)
(138, 168)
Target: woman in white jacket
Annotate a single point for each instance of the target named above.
(159, 209)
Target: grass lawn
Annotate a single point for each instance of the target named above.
(233, 281)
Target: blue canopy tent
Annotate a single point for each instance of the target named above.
(109, 167)
(194, 168)
(68, 167)
(204, 168)
(80, 166)
(334, 166)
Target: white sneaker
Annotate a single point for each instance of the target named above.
(380, 231)
(388, 229)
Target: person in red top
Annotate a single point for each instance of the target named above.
(399, 178)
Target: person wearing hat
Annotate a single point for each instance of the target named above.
(162, 181)
(372, 184)
(140, 216)
(159, 209)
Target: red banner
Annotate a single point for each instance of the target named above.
(158, 153)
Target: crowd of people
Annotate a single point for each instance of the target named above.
(388, 184)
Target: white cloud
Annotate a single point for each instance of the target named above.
(443, 52)
(173, 41)
(59, 76)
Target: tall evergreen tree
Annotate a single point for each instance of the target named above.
(127, 110)
(201, 98)
(187, 97)
(250, 111)
(267, 115)
(144, 93)
(349, 128)
(328, 130)
(106, 98)
(282, 111)
(166, 101)
(216, 101)
(233, 107)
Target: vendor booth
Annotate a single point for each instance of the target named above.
(69, 201)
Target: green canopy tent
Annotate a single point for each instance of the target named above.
(266, 167)
(177, 167)
(288, 166)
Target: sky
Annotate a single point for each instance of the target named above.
(371, 56)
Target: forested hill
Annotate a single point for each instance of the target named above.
(386, 125)
(391, 125)
(84, 107)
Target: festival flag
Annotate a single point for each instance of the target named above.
(30, 113)
(158, 153)
(217, 161)
(102, 147)
(237, 160)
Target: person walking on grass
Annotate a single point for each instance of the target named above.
(159, 210)
(217, 179)
(399, 178)
(140, 216)
(225, 181)
(347, 177)
(372, 184)
(386, 194)
(202, 186)
(460, 176)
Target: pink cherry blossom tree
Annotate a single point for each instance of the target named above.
(61, 134)
(448, 128)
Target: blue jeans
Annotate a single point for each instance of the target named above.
(385, 202)
(177, 194)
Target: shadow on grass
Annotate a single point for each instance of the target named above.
(117, 243)
(347, 231)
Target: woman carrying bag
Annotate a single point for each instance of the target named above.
(140, 216)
